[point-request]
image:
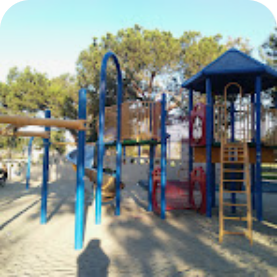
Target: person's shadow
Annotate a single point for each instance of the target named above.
(93, 261)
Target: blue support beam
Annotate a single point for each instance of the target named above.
(259, 200)
(213, 186)
(190, 136)
(80, 182)
(28, 173)
(101, 145)
(118, 140)
(100, 157)
(163, 156)
(209, 116)
(150, 177)
(44, 188)
(253, 190)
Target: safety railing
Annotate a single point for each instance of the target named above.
(242, 123)
(245, 124)
(140, 121)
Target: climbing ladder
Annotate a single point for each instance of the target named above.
(235, 174)
(234, 160)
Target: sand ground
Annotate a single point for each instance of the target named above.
(137, 243)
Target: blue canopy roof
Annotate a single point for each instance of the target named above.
(233, 66)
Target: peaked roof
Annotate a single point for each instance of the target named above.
(233, 66)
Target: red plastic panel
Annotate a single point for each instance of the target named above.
(198, 125)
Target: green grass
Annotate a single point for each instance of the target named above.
(269, 177)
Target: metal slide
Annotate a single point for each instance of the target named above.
(109, 183)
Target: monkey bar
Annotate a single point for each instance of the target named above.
(25, 134)
(47, 122)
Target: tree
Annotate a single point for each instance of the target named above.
(143, 55)
(268, 53)
(268, 50)
(199, 51)
(26, 91)
(58, 136)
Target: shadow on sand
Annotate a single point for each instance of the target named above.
(93, 261)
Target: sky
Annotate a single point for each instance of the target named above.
(49, 35)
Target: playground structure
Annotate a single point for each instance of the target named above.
(213, 133)
(16, 122)
(155, 136)
(108, 187)
(232, 129)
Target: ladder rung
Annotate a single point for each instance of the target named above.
(231, 181)
(232, 150)
(233, 162)
(234, 204)
(233, 146)
(235, 158)
(234, 233)
(235, 218)
(234, 155)
(234, 191)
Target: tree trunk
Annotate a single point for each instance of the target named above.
(151, 81)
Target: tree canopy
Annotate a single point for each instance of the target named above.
(151, 61)
(268, 52)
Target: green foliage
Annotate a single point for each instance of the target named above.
(199, 51)
(58, 136)
(268, 52)
(143, 54)
(148, 58)
(27, 91)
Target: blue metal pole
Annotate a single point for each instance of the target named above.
(150, 177)
(209, 146)
(44, 188)
(163, 156)
(190, 135)
(101, 146)
(150, 117)
(253, 140)
(100, 157)
(213, 185)
(259, 200)
(28, 173)
(80, 182)
(233, 195)
(118, 141)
